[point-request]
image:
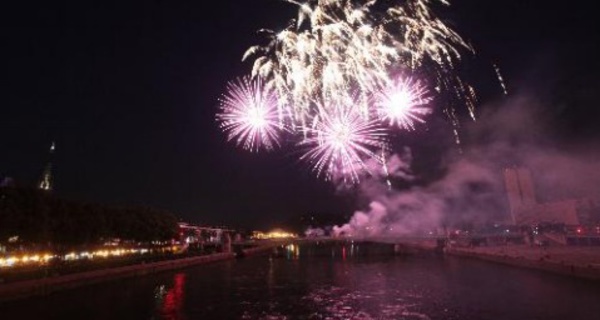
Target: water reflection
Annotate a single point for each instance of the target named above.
(170, 302)
(335, 250)
(292, 251)
(327, 281)
(340, 303)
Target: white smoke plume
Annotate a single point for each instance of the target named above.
(465, 192)
(471, 190)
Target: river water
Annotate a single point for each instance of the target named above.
(324, 281)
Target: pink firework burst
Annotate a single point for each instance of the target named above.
(340, 140)
(248, 114)
(402, 103)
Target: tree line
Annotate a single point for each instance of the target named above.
(39, 217)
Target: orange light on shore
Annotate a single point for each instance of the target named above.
(26, 259)
(275, 234)
(104, 253)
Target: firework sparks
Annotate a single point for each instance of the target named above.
(500, 79)
(340, 141)
(249, 115)
(402, 103)
(339, 46)
(330, 79)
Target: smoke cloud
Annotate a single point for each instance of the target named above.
(470, 191)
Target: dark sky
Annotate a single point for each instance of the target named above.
(128, 90)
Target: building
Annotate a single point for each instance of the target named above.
(519, 188)
(525, 209)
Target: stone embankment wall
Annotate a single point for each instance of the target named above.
(258, 250)
(44, 286)
(564, 260)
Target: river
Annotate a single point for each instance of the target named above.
(324, 281)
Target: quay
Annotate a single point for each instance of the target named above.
(568, 260)
(573, 261)
(47, 285)
(580, 262)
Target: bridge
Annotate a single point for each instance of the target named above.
(205, 238)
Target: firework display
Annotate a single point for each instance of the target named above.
(402, 103)
(249, 115)
(340, 141)
(342, 77)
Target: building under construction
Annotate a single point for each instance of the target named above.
(526, 210)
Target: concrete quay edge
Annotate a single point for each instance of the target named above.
(45, 286)
(581, 270)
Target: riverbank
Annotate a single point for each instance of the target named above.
(580, 262)
(48, 285)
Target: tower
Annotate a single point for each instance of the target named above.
(46, 181)
(519, 189)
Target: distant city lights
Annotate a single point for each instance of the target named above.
(275, 234)
(41, 259)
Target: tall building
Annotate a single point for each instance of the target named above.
(524, 208)
(46, 181)
(519, 189)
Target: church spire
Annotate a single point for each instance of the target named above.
(46, 181)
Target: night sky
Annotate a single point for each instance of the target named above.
(128, 90)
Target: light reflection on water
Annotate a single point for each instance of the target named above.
(350, 281)
(340, 303)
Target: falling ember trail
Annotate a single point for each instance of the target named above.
(500, 79)
(386, 171)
